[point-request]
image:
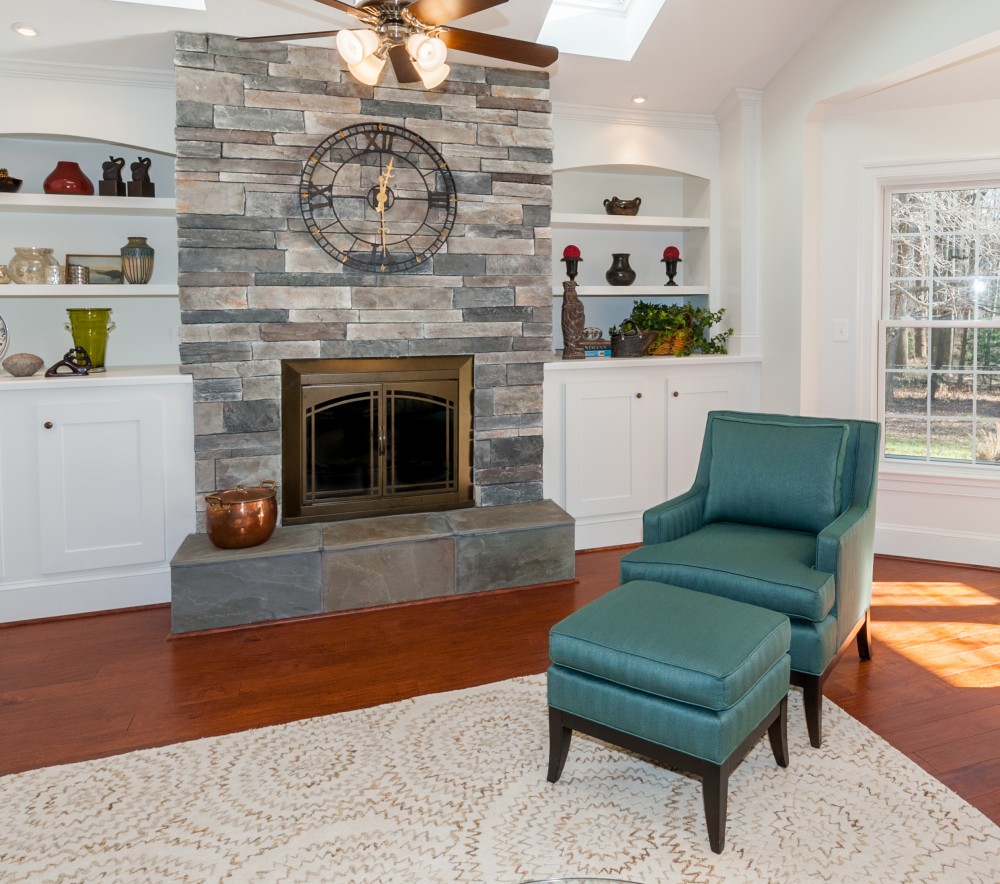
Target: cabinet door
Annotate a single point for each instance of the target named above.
(611, 462)
(689, 400)
(100, 484)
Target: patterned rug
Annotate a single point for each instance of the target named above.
(451, 788)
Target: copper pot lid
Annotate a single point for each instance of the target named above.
(241, 494)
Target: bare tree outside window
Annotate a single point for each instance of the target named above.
(941, 326)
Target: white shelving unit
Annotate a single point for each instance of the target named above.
(146, 317)
(675, 211)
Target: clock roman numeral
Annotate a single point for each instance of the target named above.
(319, 195)
(381, 140)
(438, 199)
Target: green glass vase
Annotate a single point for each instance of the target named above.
(89, 327)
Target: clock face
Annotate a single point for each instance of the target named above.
(378, 198)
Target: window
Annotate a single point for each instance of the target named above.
(941, 325)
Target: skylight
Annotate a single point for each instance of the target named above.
(599, 28)
(175, 4)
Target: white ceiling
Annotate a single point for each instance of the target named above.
(696, 52)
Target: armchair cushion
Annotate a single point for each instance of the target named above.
(766, 567)
(776, 474)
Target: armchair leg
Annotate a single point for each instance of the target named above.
(812, 698)
(559, 740)
(865, 638)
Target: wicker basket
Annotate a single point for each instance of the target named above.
(632, 341)
(670, 343)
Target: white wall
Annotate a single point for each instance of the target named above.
(864, 46)
(826, 148)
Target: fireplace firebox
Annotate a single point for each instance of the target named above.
(374, 437)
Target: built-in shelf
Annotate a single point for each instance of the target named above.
(632, 291)
(68, 203)
(627, 222)
(89, 291)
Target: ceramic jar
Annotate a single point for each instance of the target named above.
(29, 266)
(68, 177)
(90, 327)
(620, 272)
(137, 260)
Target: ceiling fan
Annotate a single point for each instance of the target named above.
(413, 35)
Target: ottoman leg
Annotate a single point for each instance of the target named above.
(715, 793)
(777, 733)
(559, 739)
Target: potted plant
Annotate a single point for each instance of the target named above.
(682, 329)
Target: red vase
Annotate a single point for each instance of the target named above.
(68, 177)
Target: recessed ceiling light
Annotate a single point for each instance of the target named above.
(24, 29)
(638, 99)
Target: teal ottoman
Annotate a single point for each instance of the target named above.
(687, 678)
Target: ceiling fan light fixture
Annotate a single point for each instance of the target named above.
(368, 70)
(430, 79)
(428, 53)
(357, 45)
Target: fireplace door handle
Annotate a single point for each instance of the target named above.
(381, 446)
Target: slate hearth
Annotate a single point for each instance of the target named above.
(323, 568)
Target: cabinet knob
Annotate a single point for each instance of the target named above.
(676, 394)
(638, 395)
(48, 425)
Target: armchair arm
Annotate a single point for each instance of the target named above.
(676, 517)
(846, 548)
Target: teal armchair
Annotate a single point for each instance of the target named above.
(781, 515)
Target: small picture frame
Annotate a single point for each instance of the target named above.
(104, 269)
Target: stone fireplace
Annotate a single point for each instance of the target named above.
(258, 294)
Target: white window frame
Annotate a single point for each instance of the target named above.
(880, 179)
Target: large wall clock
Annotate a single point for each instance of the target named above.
(378, 198)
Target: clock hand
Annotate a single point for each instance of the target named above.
(383, 187)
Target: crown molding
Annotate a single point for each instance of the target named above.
(658, 119)
(106, 75)
(736, 100)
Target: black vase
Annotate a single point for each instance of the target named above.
(620, 273)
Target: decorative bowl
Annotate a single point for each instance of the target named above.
(23, 365)
(615, 206)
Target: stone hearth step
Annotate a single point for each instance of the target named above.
(323, 568)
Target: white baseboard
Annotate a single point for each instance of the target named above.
(938, 545)
(594, 532)
(31, 600)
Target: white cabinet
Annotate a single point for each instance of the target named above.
(610, 445)
(622, 435)
(96, 489)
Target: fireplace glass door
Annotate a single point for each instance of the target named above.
(366, 437)
(379, 441)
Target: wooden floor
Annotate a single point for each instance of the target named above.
(88, 687)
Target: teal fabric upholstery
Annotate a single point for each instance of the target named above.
(682, 669)
(749, 539)
(776, 473)
(761, 566)
(703, 733)
(672, 642)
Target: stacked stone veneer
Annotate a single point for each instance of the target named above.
(256, 289)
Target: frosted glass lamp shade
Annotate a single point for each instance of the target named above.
(428, 53)
(434, 78)
(368, 70)
(355, 46)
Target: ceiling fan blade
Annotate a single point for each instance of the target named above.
(437, 12)
(401, 64)
(278, 37)
(343, 7)
(536, 54)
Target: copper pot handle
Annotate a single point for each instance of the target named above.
(216, 502)
(269, 484)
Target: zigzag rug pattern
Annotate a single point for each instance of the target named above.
(451, 788)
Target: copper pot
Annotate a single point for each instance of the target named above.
(243, 516)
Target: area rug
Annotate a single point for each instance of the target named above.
(451, 788)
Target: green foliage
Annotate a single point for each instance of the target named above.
(674, 317)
